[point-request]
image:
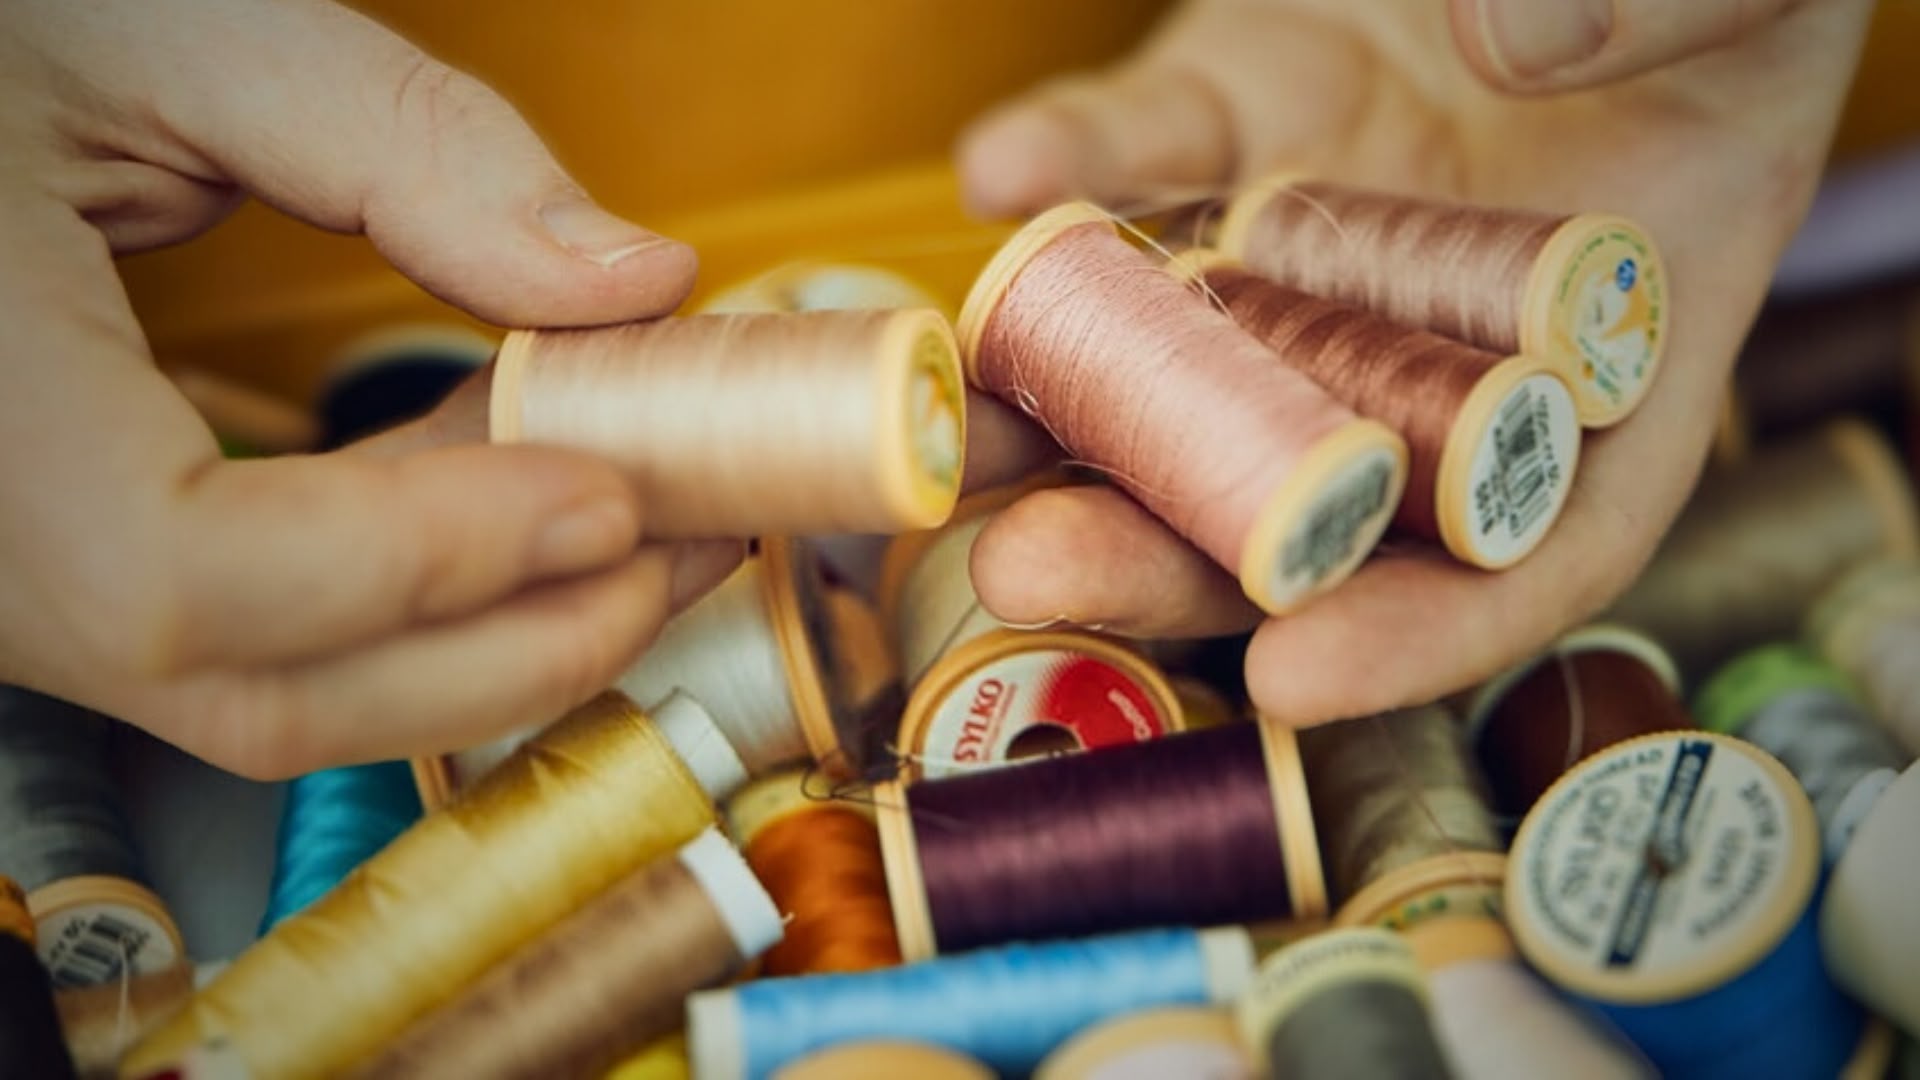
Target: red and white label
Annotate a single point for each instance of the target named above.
(1093, 702)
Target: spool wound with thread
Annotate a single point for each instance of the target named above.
(1497, 1021)
(664, 1058)
(1492, 440)
(29, 1029)
(1187, 1041)
(1350, 1002)
(744, 424)
(1671, 883)
(1597, 686)
(605, 981)
(102, 1022)
(1758, 544)
(1801, 710)
(810, 285)
(1008, 1007)
(1397, 798)
(64, 839)
(1137, 376)
(1588, 291)
(1197, 829)
(820, 860)
(333, 821)
(573, 811)
(1869, 933)
(885, 1060)
(1868, 625)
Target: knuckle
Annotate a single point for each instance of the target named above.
(256, 729)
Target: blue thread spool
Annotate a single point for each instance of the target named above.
(333, 821)
(1671, 883)
(1008, 1007)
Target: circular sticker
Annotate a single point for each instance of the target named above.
(1522, 469)
(1338, 527)
(88, 944)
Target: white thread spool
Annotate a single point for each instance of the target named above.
(1870, 920)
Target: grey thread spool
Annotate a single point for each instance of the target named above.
(1346, 1004)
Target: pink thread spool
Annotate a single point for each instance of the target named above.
(1588, 291)
(1245, 457)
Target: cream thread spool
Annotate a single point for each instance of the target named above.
(1868, 625)
(653, 399)
(1190, 1041)
(885, 1060)
(1594, 297)
(815, 285)
(1327, 514)
(1869, 929)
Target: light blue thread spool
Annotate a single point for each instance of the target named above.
(333, 821)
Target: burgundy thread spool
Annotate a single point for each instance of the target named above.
(737, 425)
(1587, 291)
(1493, 442)
(1597, 686)
(1195, 829)
(1132, 373)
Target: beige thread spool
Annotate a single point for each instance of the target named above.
(815, 285)
(1868, 625)
(885, 1060)
(1869, 924)
(1189, 1041)
(747, 424)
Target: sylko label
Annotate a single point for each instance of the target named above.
(1665, 862)
(1095, 702)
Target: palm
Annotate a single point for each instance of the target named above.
(1717, 155)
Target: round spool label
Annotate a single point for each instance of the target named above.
(1522, 469)
(1081, 697)
(1299, 972)
(1661, 868)
(88, 944)
(1606, 309)
(1339, 526)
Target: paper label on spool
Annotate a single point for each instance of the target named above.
(89, 944)
(1661, 868)
(1522, 469)
(1083, 699)
(1342, 521)
(1608, 307)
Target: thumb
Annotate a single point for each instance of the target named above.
(349, 127)
(1531, 46)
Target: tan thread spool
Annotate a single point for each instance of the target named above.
(746, 424)
(1563, 302)
(885, 1060)
(1183, 1041)
(1868, 625)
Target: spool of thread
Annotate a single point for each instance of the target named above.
(866, 678)
(1493, 442)
(331, 822)
(1203, 706)
(1869, 931)
(1807, 361)
(100, 1023)
(1595, 687)
(1198, 829)
(29, 1029)
(662, 1059)
(588, 801)
(1496, 1021)
(885, 1060)
(1132, 373)
(1868, 625)
(1185, 1041)
(1588, 291)
(1670, 882)
(1007, 1007)
(1760, 542)
(1349, 1002)
(1796, 707)
(748, 424)
(985, 694)
(605, 981)
(1405, 831)
(64, 839)
(820, 860)
(812, 285)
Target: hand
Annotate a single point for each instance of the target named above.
(1707, 121)
(274, 616)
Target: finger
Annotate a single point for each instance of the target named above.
(1002, 444)
(1549, 45)
(520, 664)
(459, 420)
(347, 126)
(1091, 556)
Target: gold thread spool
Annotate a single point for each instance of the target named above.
(1191, 1041)
(1757, 544)
(885, 1060)
(585, 803)
(1610, 366)
(1336, 502)
(653, 398)
(816, 285)
(1405, 831)
(662, 1059)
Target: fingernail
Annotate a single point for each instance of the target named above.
(595, 235)
(1530, 38)
(700, 566)
(586, 536)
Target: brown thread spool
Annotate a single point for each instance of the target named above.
(739, 425)
(985, 694)
(1405, 831)
(1758, 543)
(1806, 362)
(1505, 280)
(1255, 464)
(1597, 686)
(1493, 442)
